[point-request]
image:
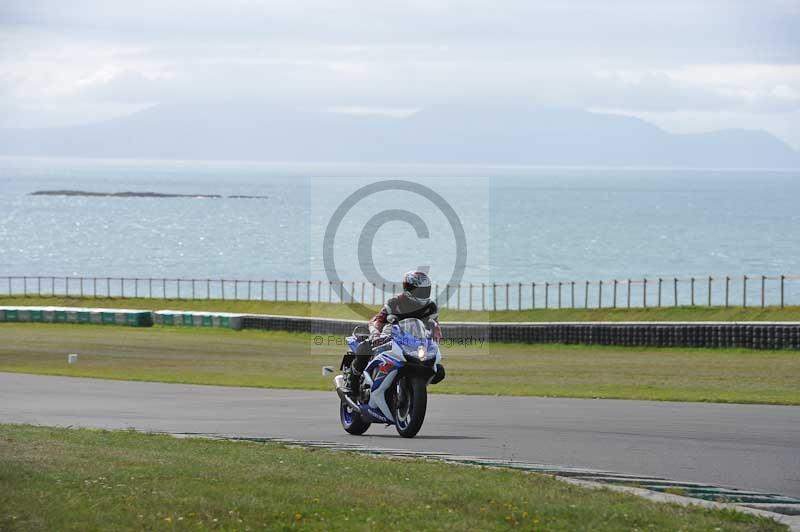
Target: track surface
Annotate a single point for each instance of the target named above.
(746, 446)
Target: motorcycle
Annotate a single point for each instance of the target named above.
(393, 388)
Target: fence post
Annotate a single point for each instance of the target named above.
(744, 291)
(727, 288)
(81, 291)
(178, 283)
(644, 292)
(692, 290)
(559, 294)
(600, 294)
(506, 296)
(483, 296)
(24, 286)
(763, 279)
(222, 288)
(330, 291)
(319, 291)
(709, 290)
(286, 290)
(572, 294)
(586, 295)
(659, 292)
(494, 296)
(94, 287)
(546, 295)
(470, 296)
(447, 295)
(308, 292)
(629, 293)
(675, 292)
(39, 286)
(9, 286)
(614, 299)
(261, 294)
(782, 278)
(519, 296)
(66, 286)
(533, 295)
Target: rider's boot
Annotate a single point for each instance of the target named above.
(351, 378)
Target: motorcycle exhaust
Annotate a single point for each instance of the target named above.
(338, 381)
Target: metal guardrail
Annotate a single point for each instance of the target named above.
(722, 291)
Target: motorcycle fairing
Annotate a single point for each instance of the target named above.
(384, 368)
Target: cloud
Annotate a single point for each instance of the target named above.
(641, 57)
(126, 86)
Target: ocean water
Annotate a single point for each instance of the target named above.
(520, 224)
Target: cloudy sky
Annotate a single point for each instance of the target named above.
(686, 66)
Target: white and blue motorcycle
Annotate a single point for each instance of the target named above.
(394, 386)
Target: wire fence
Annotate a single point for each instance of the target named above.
(725, 291)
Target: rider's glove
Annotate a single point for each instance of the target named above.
(436, 333)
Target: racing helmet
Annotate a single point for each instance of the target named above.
(417, 286)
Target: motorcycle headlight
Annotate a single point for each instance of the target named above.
(421, 352)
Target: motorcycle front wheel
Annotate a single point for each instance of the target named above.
(411, 401)
(352, 422)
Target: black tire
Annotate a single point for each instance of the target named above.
(410, 416)
(352, 422)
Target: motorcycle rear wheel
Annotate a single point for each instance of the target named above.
(352, 422)
(410, 404)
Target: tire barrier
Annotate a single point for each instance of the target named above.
(750, 335)
(198, 319)
(300, 324)
(97, 316)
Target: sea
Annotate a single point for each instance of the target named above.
(476, 224)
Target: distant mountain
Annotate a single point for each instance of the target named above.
(437, 135)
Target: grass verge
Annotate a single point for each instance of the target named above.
(67, 479)
(331, 310)
(289, 360)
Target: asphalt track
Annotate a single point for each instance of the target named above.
(752, 447)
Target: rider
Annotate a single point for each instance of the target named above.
(414, 302)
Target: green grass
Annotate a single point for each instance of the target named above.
(329, 310)
(66, 479)
(289, 360)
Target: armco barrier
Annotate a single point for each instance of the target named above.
(198, 319)
(99, 316)
(753, 335)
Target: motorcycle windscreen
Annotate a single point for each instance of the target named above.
(413, 327)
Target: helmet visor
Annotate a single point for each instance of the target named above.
(421, 292)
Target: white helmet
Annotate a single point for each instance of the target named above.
(417, 286)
